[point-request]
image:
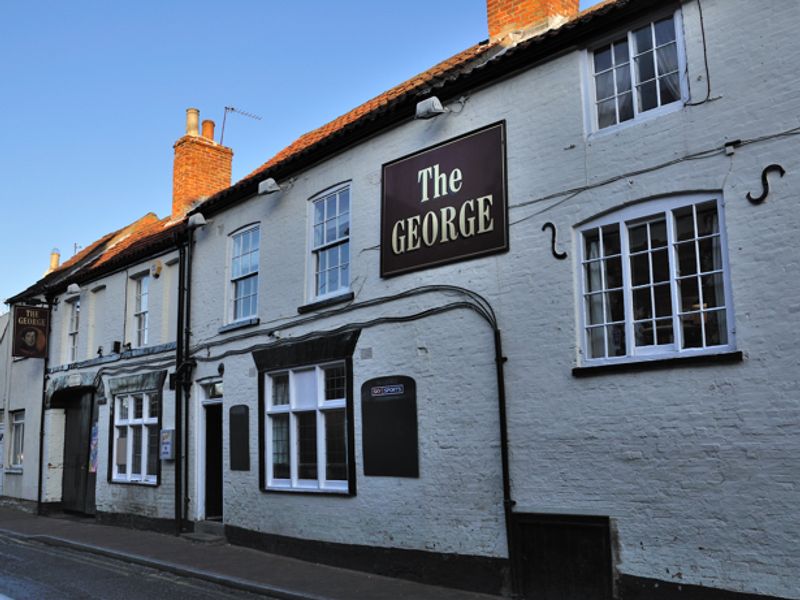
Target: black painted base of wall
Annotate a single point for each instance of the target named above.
(140, 522)
(473, 573)
(640, 588)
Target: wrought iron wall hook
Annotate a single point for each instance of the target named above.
(556, 253)
(765, 183)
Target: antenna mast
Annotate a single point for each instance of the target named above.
(231, 109)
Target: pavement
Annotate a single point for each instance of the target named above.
(232, 566)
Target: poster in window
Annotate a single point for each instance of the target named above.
(30, 331)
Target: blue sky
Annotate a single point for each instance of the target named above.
(93, 95)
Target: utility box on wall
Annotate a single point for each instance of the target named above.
(389, 427)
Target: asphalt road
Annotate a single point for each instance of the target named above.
(30, 570)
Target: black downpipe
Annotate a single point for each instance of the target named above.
(179, 357)
(41, 416)
(187, 370)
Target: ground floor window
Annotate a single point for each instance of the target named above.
(306, 428)
(17, 438)
(136, 437)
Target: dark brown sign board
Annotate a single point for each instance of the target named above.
(31, 324)
(446, 203)
(389, 427)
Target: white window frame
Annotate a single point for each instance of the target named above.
(320, 407)
(130, 422)
(632, 215)
(141, 315)
(73, 328)
(590, 91)
(237, 279)
(17, 444)
(318, 247)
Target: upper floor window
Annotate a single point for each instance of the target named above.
(17, 438)
(638, 72)
(72, 332)
(655, 281)
(244, 273)
(331, 242)
(136, 441)
(140, 314)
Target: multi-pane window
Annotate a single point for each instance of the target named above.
(140, 314)
(135, 449)
(72, 333)
(637, 73)
(307, 429)
(655, 281)
(17, 438)
(331, 242)
(244, 273)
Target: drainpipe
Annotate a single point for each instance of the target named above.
(179, 352)
(188, 364)
(44, 398)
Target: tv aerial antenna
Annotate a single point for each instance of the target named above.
(231, 109)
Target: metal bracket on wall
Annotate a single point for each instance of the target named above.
(765, 183)
(556, 253)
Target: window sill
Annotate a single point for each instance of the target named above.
(252, 322)
(340, 299)
(661, 363)
(151, 484)
(14, 471)
(307, 491)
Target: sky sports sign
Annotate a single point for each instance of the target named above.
(446, 203)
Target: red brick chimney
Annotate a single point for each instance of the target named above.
(201, 167)
(506, 16)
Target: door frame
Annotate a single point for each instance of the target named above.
(200, 444)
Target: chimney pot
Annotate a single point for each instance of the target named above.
(192, 118)
(208, 129)
(55, 259)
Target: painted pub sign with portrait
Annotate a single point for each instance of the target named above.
(31, 324)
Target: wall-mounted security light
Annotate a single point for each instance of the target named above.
(196, 220)
(73, 288)
(429, 108)
(268, 186)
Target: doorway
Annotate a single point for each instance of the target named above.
(80, 472)
(213, 461)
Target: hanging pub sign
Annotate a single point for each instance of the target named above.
(30, 331)
(445, 203)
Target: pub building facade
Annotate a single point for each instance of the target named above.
(522, 324)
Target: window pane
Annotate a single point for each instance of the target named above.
(687, 259)
(138, 407)
(606, 113)
(613, 272)
(623, 79)
(642, 304)
(660, 266)
(280, 446)
(322, 283)
(594, 307)
(625, 102)
(344, 201)
(280, 389)
(663, 300)
(621, 52)
(123, 409)
(658, 234)
(334, 383)
(153, 406)
(616, 340)
(319, 212)
(664, 331)
(344, 225)
(707, 222)
(592, 240)
(684, 223)
(665, 31)
(333, 280)
(602, 59)
(136, 459)
(330, 230)
(643, 332)
(716, 328)
(690, 298)
(593, 281)
(122, 449)
(305, 388)
(643, 39)
(335, 445)
(710, 254)
(610, 240)
(307, 445)
(645, 68)
(152, 450)
(640, 269)
(667, 58)
(713, 293)
(692, 333)
(317, 235)
(597, 342)
(669, 88)
(615, 307)
(647, 96)
(605, 85)
(637, 238)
